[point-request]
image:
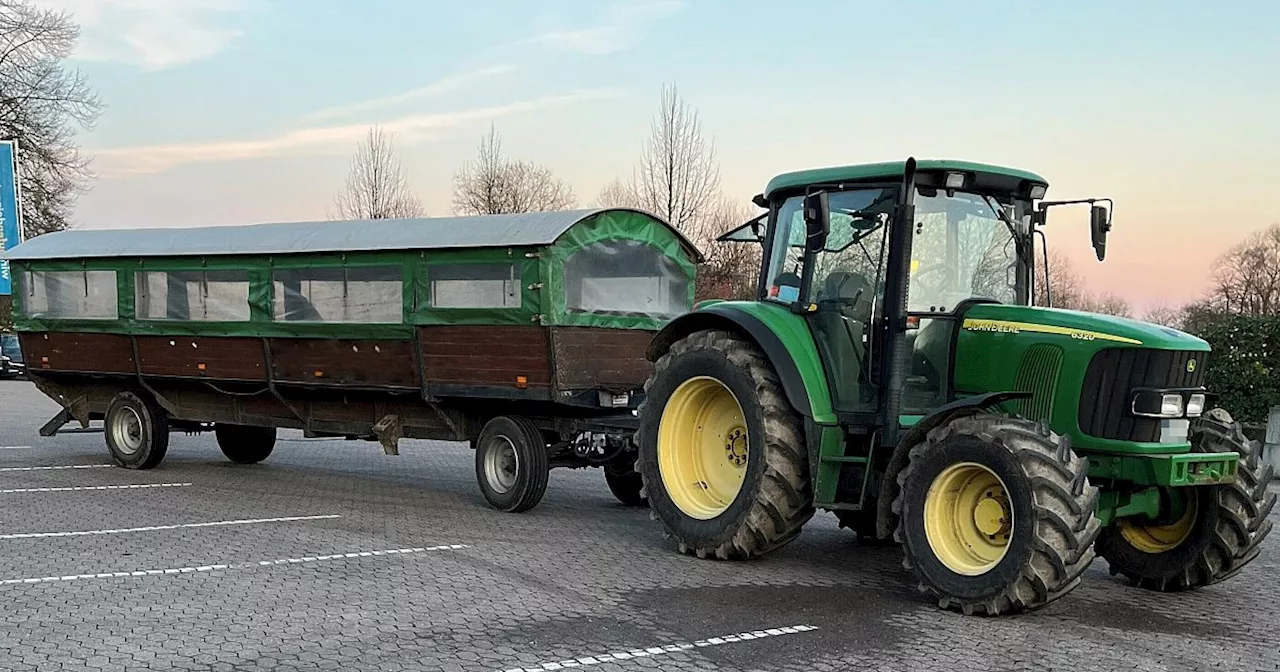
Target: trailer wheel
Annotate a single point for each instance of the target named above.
(137, 431)
(626, 484)
(244, 444)
(1211, 533)
(511, 464)
(996, 515)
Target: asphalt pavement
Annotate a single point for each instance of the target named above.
(331, 555)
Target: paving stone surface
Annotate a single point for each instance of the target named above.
(580, 582)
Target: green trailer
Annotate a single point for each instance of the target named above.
(522, 334)
(893, 370)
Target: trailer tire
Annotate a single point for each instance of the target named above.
(244, 444)
(722, 451)
(511, 463)
(996, 514)
(136, 430)
(1224, 528)
(627, 485)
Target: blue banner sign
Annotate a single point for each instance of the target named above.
(10, 217)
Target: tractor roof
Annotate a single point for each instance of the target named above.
(891, 170)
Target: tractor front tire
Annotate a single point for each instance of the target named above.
(1218, 534)
(996, 515)
(721, 450)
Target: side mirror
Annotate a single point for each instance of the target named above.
(817, 215)
(1099, 225)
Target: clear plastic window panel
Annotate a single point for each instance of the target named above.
(475, 286)
(82, 295)
(372, 295)
(202, 296)
(626, 277)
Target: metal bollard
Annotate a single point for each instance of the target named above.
(1271, 442)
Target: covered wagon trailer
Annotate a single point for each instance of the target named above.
(523, 334)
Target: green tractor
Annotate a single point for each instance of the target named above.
(894, 371)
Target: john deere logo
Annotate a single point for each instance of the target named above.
(1191, 365)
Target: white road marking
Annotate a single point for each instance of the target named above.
(66, 466)
(662, 650)
(78, 488)
(238, 565)
(15, 447)
(154, 528)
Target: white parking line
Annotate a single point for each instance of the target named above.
(15, 447)
(238, 565)
(77, 488)
(153, 528)
(65, 466)
(663, 650)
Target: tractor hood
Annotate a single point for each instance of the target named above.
(1079, 325)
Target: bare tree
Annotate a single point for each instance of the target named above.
(494, 185)
(1164, 315)
(731, 269)
(1247, 276)
(377, 186)
(42, 104)
(678, 178)
(1067, 290)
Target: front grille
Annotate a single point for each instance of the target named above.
(1113, 372)
(1038, 375)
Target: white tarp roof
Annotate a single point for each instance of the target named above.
(519, 230)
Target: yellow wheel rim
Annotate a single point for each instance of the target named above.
(1150, 538)
(968, 519)
(702, 447)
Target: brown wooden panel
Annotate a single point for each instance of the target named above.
(486, 355)
(220, 358)
(345, 362)
(91, 353)
(589, 357)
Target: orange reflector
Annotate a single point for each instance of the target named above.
(522, 382)
(318, 373)
(200, 366)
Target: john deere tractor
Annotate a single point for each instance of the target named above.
(893, 370)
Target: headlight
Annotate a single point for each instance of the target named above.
(1157, 404)
(1195, 406)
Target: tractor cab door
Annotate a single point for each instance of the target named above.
(847, 285)
(962, 252)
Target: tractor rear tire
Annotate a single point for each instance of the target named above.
(244, 444)
(721, 450)
(996, 515)
(1222, 531)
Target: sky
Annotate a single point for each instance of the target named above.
(245, 111)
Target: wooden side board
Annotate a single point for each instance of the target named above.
(90, 353)
(511, 356)
(486, 355)
(218, 358)
(612, 359)
(344, 362)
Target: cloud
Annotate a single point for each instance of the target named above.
(150, 34)
(439, 87)
(125, 161)
(622, 23)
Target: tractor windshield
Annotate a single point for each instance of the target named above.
(962, 249)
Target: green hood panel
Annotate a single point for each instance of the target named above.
(1078, 325)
